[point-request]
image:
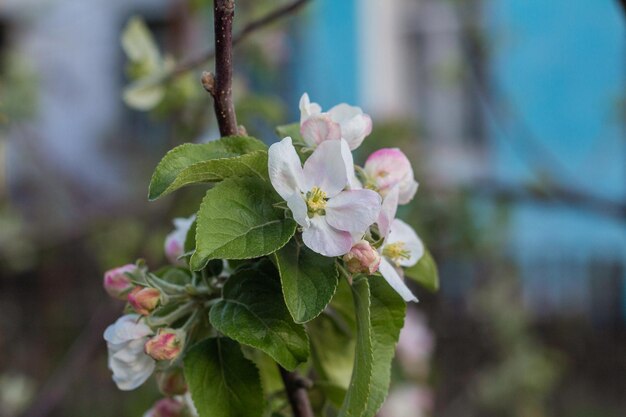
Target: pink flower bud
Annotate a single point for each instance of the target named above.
(388, 168)
(172, 382)
(116, 283)
(166, 345)
(362, 258)
(166, 407)
(144, 300)
(175, 241)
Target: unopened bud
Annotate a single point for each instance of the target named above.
(166, 407)
(172, 382)
(116, 283)
(362, 258)
(166, 345)
(144, 300)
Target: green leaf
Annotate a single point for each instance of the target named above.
(292, 130)
(253, 312)
(222, 382)
(332, 347)
(139, 45)
(424, 272)
(179, 163)
(144, 94)
(380, 315)
(355, 402)
(386, 320)
(309, 280)
(237, 220)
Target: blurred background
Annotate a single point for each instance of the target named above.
(513, 113)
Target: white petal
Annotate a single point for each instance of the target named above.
(307, 108)
(402, 232)
(298, 209)
(354, 210)
(395, 280)
(284, 167)
(388, 212)
(126, 328)
(320, 237)
(408, 190)
(353, 181)
(355, 125)
(318, 128)
(326, 169)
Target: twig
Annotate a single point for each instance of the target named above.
(220, 84)
(623, 4)
(296, 388)
(251, 27)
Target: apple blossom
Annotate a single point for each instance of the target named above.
(315, 194)
(116, 283)
(401, 246)
(166, 345)
(144, 300)
(388, 168)
(125, 342)
(415, 345)
(175, 241)
(362, 258)
(340, 122)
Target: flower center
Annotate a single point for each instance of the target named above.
(396, 252)
(316, 201)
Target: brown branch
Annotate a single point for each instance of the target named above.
(251, 27)
(296, 388)
(220, 84)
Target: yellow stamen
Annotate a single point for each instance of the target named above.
(316, 200)
(396, 252)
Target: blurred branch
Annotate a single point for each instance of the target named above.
(296, 388)
(251, 27)
(552, 194)
(623, 4)
(77, 357)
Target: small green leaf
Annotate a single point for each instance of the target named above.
(253, 312)
(292, 130)
(355, 402)
(424, 272)
(238, 220)
(179, 161)
(386, 320)
(309, 280)
(144, 94)
(222, 382)
(380, 315)
(139, 45)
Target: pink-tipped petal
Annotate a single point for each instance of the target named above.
(355, 125)
(318, 128)
(354, 210)
(395, 280)
(284, 167)
(388, 168)
(308, 109)
(326, 169)
(320, 237)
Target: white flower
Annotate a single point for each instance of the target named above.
(340, 122)
(175, 241)
(388, 168)
(315, 194)
(401, 246)
(125, 340)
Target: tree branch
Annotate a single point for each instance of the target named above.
(623, 4)
(296, 388)
(251, 27)
(220, 87)
(220, 84)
